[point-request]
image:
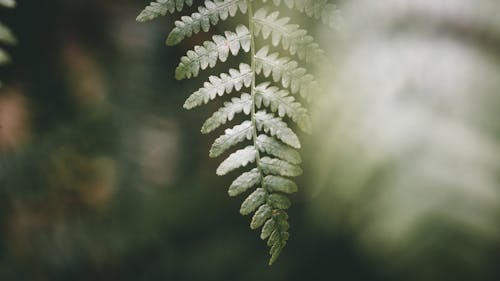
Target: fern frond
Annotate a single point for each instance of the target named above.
(286, 71)
(226, 83)
(161, 8)
(281, 102)
(273, 144)
(211, 51)
(205, 17)
(319, 9)
(291, 37)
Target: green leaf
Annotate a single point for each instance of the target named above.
(231, 137)
(287, 72)
(278, 201)
(279, 184)
(253, 201)
(238, 159)
(277, 247)
(276, 127)
(274, 237)
(207, 55)
(267, 229)
(225, 83)
(291, 37)
(161, 8)
(263, 213)
(205, 17)
(227, 112)
(244, 182)
(276, 148)
(275, 166)
(285, 105)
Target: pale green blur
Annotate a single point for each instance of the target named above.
(408, 146)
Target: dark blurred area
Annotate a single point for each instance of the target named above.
(104, 176)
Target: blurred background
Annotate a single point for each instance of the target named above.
(104, 176)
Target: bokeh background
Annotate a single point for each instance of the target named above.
(104, 176)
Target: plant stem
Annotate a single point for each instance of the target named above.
(252, 87)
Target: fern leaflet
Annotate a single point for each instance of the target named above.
(161, 8)
(319, 9)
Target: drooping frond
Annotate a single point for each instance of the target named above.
(207, 15)
(291, 36)
(212, 51)
(161, 8)
(286, 71)
(319, 9)
(271, 145)
(226, 83)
